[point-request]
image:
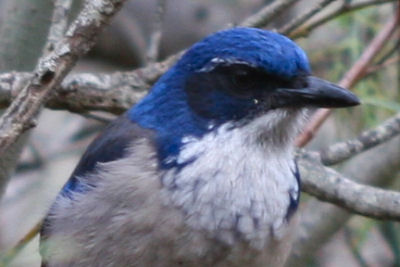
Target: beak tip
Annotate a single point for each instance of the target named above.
(352, 100)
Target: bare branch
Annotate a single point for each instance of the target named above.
(83, 92)
(328, 185)
(155, 38)
(388, 62)
(59, 23)
(391, 51)
(344, 8)
(267, 14)
(289, 27)
(87, 91)
(52, 68)
(352, 76)
(341, 151)
(320, 220)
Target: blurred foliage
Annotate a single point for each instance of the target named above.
(391, 232)
(345, 39)
(332, 49)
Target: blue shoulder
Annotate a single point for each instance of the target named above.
(110, 145)
(294, 194)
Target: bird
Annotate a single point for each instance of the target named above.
(201, 171)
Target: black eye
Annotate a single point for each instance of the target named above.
(243, 79)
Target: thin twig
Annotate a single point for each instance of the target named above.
(267, 14)
(351, 77)
(352, 245)
(293, 24)
(393, 50)
(155, 38)
(344, 8)
(341, 151)
(97, 117)
(388, 62)
(52, 69)
(10, 254)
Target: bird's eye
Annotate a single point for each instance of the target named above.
(240, 78)
(243, 79)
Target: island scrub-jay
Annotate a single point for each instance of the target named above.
(200, 172)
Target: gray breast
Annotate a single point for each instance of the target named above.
(232, 187)
(218, 218)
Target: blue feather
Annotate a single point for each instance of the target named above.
(169, 110)
(294, 194)
(110, 145)
(166, 109)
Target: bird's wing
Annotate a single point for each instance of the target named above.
(110, 145)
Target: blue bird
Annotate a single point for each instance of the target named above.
(201, 171)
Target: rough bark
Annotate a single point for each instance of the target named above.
(23, 32)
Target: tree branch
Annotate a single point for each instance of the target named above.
(341, 151)
(321, 220)
(59, 23)
(52, 68)
(352, 76)
(293, 24)
(328, 185)
(83, 92)
(344, 8)
(267, 14)
(374, 68)
(155, 38)
(87, 91)
(23, 33)
(11, 253)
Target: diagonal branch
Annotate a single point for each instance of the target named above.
(386, 63)
(341, 151)
(59, 23)
(52, 69)
(328, 185)
(357, 71)
(293, 24)
(344, 8)
(267, 14)
(9, 255)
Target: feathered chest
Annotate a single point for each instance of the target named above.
(233, 186)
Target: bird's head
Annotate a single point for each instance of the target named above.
(235, 76)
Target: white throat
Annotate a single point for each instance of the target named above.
(237, 181)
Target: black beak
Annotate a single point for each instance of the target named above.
(318, 93)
